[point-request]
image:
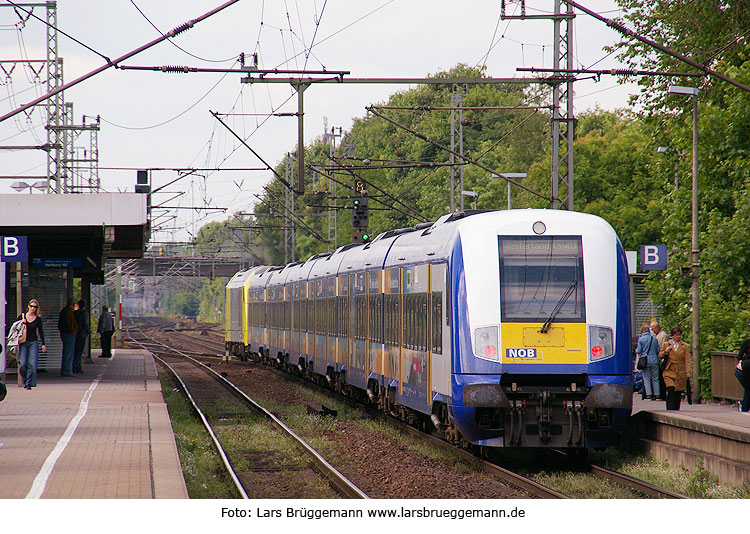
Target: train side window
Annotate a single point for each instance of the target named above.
(437, 322)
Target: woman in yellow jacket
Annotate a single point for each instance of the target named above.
(676, 368)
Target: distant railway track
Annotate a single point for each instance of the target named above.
(177, 367)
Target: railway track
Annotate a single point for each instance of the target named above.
(524, 483)
(177, 367)
(641, 486)
(506, 477)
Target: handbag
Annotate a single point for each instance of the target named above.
(643, 360)
(22, 335)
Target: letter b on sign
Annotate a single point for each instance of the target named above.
(14, 248)
(653, 257)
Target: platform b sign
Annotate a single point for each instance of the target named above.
(653, 257)
(14, 248)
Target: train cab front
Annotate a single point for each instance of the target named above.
(527, 410)
(544, 357)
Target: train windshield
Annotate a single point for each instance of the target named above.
(540, 278)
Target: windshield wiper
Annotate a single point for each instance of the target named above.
(558, 306)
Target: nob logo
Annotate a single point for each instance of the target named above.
(14, 248)
(520, 353)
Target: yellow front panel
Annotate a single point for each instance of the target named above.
(564, 343)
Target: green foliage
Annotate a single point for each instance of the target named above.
(211, 309)
(711, 33)
(187, 303)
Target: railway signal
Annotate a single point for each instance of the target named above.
(360, 204)
(360, 212)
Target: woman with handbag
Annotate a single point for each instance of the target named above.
(675, 357)
(647, 362)
(28, 349)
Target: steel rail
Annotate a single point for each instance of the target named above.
(634, 483)
(340, 482)
(217, 444)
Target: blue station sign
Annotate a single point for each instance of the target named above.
(654, 257)
(14, 248)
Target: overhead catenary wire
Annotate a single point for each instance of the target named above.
(372, 110)
(630, 33)
(113, 63)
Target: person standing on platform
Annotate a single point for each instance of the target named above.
(68, 327)
(648, 346)
(661, 338)
(106, 329)
(676, 368)
(742, 372)
(83, 320)
(28, 351)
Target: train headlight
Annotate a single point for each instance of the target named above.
(485, 343)
(601, 343)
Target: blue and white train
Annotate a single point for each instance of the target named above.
(499, 329)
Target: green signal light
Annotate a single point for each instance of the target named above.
(356, 202)
(365, 237)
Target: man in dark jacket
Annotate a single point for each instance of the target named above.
(68, 327)
(83, 320)
(106, 329)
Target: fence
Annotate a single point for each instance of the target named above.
(724, 385)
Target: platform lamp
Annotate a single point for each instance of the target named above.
(695, 251)
(511, 176)
(40, 185)
(472, 194)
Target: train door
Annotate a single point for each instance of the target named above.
(357, 370)
(310, 320)
(375, 321)
(286, 328)
(246, 316)
(331, 322)
(265, 315)
(392, 326)
(440, 361)
(321, 352)
(295, 345)
(342, 320)
(414, 355)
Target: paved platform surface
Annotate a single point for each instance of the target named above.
(101, 435)
(711, 415)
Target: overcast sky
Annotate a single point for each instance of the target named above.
(156, 120)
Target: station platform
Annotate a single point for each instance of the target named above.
(711, 434)
(105, 434)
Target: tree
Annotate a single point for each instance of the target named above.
(714, 33)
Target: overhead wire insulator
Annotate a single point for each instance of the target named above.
(181, 28)
(175, 68)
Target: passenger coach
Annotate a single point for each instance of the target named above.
(499, 329)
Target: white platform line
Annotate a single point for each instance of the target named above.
(40, 482)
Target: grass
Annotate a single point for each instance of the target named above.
(201, 467)
(264, 459)
(699, 484)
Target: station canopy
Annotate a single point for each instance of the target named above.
(77, 230)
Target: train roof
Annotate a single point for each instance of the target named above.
(239, 278)
(431, 242)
